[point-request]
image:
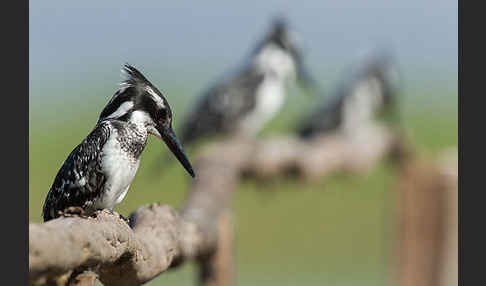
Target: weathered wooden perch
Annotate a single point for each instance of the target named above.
(427, 222)
(161, 237)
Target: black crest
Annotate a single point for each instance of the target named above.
(134, 77)
(277, 35)
(136, 88)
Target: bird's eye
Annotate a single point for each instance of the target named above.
(162, 113)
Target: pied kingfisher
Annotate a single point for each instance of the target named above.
(367, 91)
(99, 171)
(244, 102)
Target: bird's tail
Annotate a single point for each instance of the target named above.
(305, 131)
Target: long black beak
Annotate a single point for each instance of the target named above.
(172, 142)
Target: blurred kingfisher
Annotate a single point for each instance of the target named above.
(365, 92)
(245, 101)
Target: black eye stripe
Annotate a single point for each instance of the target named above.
(142, 100)
(116, 102)
(161, 114)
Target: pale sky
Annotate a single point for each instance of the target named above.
(182, 37)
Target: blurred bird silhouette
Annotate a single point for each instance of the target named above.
(242, 103)
(366, 93)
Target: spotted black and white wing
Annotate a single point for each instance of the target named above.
(80, 180)
(327, 118)
(331, 116)
(220, 108)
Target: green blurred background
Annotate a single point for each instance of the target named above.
(336, 231)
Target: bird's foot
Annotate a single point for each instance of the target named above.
(73, 211)
(124, 219)
(120, 216)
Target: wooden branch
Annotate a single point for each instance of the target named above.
(121, 256)
(83, 279)
(316, 158)
(161, 237)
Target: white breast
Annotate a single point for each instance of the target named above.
(270, 97)
(120, 169)
(360, 106)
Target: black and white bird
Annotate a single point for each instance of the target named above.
(367, 92)
(98, 172)
(245, 101)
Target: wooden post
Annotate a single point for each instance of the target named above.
(218, 268)
(426, 224)
(449, 273)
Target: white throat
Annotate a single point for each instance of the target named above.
(143, 122)
(273, 60)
